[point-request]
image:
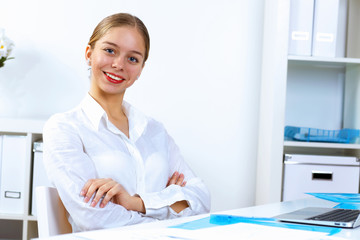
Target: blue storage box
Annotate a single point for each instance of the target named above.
(345, 135)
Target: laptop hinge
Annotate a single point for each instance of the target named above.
(357, 221)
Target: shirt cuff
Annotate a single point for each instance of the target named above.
(157, 203)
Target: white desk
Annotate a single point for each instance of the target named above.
(268, 210)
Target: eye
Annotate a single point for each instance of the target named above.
(133, 59)
(109, 50)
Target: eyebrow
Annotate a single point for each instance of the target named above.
(115, 45)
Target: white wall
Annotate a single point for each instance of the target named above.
(202, 79)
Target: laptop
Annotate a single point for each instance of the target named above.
(334, 217)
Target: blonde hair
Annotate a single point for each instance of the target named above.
(119, 20)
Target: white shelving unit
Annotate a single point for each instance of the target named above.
(341, 78)
(22, 226)
(277, 72)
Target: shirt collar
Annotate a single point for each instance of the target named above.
(92, 110)
(137, 121)
(95, 113)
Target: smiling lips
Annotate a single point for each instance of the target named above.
(114, 78)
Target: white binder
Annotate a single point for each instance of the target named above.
(39, 174)
(329, 37)
(1, 140)
(301, 27)
(12, 182)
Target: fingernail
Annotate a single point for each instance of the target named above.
(82, 193)
(86, 199)
(93, 203)
(102, 205)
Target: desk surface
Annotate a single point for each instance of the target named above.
(268, 210)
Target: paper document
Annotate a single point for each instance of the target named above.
(233, 231)
(338, 197)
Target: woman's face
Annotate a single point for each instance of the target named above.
(116, 60)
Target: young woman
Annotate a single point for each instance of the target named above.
(112, 165)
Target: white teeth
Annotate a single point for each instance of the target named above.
(113, 77)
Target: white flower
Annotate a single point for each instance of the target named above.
(3, 49)
(6, 46)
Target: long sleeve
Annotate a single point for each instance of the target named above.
(196, 194)
(69, 168)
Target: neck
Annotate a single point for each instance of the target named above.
(111, 103)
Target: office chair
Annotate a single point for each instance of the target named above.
(51, 213)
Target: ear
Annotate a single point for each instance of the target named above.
(88, 52)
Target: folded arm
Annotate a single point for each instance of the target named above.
(193, 198)
(104, 190)
(69, 168)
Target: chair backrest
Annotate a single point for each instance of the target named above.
(51, 213)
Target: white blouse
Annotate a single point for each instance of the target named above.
(83, 144)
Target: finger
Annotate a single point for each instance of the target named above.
(93, 188)
(168, 182)
(183, 184)
(102, 190)
(110, 194)
(86, 187)
(174, 178)
(88, 190)
(105, 200)
(180, 179)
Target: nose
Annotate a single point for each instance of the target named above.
(118, 63)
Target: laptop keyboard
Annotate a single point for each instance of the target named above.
(338, 215)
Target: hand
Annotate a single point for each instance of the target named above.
(179, 206)
(177, 179)
(112, 191)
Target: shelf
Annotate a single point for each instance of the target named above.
(31, 218)
(339, 61)
(321, 145)
(5, 216)
(21, 125)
